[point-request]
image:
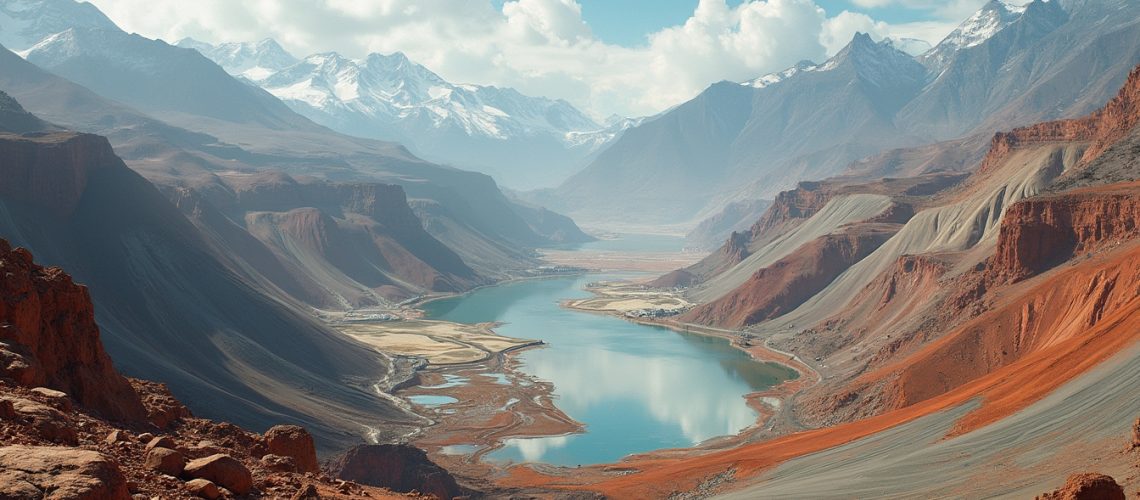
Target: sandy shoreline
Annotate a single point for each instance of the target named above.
(487, 413)
(487, 399)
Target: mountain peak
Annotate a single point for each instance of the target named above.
(988, 21)
(25, 23)
(253, 60)
(862, 39)
(864, 54)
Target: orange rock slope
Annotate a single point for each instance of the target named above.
(1058, 295)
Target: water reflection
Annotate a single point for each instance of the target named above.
(637, 388)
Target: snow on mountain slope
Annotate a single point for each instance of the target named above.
(23, 23)
(594, 140)
(875, 62)
(391, 87)
(774, 78)
(253, 60)
(523, 141)
(984, 24)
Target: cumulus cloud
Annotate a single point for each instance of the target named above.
(541, 47)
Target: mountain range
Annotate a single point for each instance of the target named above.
(1004, 66)
(524, 142)
(942, 242)
(213, 221)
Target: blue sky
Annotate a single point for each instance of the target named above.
(629, 22)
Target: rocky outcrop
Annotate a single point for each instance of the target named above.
(783, 286)
(222, 470)
(165, 461)
(15, 119)
(203, 488)
(51, 170)
(30, 471)
(397, 467)
(49, 338)
(294, 442)
(910, 274)
(796, 204)
(327, 244)
(1101, 129)
(1039, 233)
(45, 422)
(1136, 434)
(1087, 486)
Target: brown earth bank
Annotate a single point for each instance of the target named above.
(72, 427)
(995, 323)
(1103, 128)
(791, 208)
(786, 284)
(1035, 235)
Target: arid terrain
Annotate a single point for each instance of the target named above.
(828, 249)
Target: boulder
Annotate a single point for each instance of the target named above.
(57, 399)
(17, 367)
(8, 410)
(116, 436)
(50, 423)
(165, 461)
(278, 463)
(161, 442)
(205, 447)
(203, 488)
(1087, 486)
(294, 442)
(309, 492)
(399, 468)
(29, 471)
(162, 409)
(222, 470)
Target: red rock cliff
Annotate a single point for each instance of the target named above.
(49, 338)
(1102, 128)
(1039, 233)
(51, 170)
(789, 282)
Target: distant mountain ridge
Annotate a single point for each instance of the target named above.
(253, 60)
(1006, 65)
(523, 141)
(25, 23)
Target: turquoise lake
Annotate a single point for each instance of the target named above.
(636, 388)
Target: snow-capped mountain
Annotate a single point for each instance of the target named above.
(882, 63)
(993, 17)
(523, 141)
(23, 23)
(805, 122)
(392, 88)
(253, 60)
(774, 78)
(594, 140)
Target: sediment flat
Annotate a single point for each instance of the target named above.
(439, 342)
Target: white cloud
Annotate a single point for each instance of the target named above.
(541, 47)
(838, 30)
